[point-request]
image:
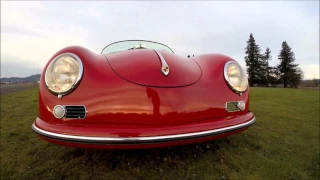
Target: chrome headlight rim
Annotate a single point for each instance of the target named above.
(226, 77)
(75, 83)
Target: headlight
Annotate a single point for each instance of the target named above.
(235, 77)
(63, 73)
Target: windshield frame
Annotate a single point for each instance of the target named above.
(134, 40)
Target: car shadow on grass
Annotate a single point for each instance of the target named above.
(117, 158)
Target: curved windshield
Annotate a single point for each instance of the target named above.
(134, 44)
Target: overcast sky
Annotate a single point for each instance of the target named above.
(31, 32)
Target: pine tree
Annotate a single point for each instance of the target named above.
(253, 60)
(287, 68)
(296, 77)
(265, 67)
(274, 75)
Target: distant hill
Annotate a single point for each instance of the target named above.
(30, 79)
(310, 83)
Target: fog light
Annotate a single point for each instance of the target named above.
(241, 105)
(59, 111)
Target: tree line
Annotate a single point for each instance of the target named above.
(262, 74)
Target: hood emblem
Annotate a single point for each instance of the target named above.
(164, 66)
(165, 70)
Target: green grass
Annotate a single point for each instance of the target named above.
(282, 144)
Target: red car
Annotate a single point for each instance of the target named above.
(139, 94)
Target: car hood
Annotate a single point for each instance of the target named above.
(144, 67)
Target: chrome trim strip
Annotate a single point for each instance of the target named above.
(137, 140)
(164, 66)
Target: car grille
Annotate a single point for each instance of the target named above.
(232, 106)
(78, 112)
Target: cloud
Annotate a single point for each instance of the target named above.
(34, 31)
(310, 71)
(19, 31)
(13, 66)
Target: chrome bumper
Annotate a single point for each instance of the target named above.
(139, 140)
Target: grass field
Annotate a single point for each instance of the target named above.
(282, 144)
(10, 88)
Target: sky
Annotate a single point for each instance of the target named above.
(31, 32)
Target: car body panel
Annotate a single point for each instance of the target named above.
(143, 67)
(118, 107)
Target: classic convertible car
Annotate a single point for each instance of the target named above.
(139, 94)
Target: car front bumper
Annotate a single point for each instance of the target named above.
(90, 139)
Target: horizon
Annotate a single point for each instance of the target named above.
(40, 75)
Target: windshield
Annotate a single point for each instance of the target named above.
(134, 44)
